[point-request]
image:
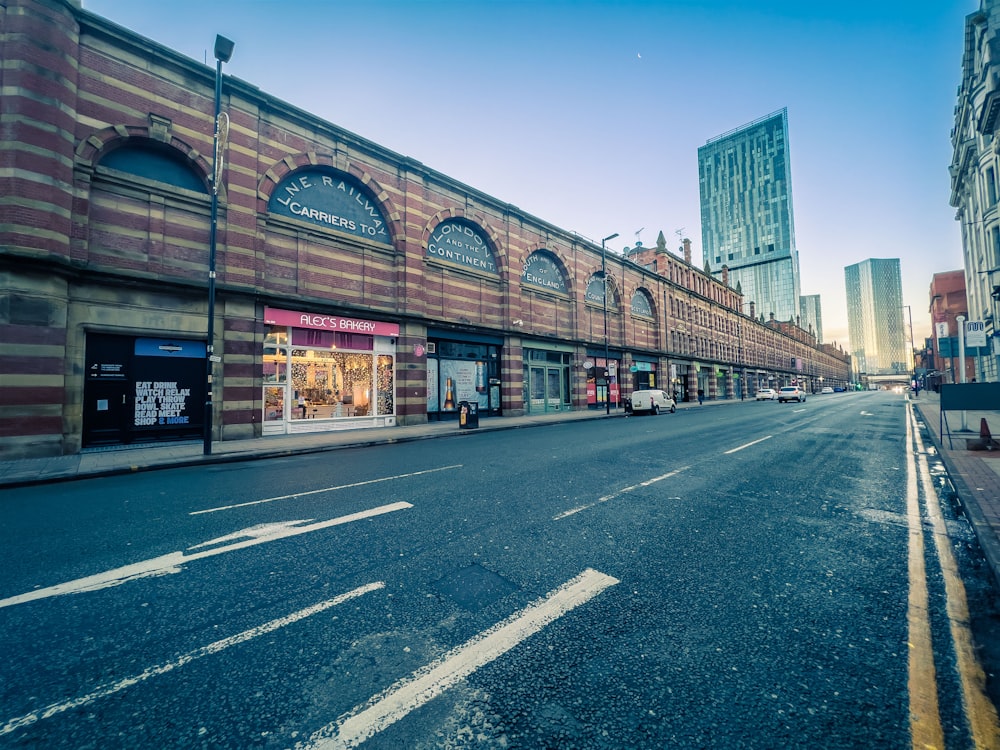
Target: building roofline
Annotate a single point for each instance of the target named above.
(783, 112)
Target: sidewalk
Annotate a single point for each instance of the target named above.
(974, 474)
(129, 459)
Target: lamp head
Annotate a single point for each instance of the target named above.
(223, 48)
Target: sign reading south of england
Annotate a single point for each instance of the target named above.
(459, 242)
(540, 269)
(332, 201)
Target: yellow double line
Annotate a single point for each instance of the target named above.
(925, 717)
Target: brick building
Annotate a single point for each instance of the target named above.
(947, 301)
(354, 287)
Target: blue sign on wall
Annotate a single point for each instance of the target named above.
(640, 304)
(541, 269)
(595, 292)
(330, 200)
(462, 243)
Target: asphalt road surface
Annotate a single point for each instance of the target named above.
(762, 575)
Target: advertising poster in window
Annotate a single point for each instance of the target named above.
(169, 388)
(462, 380)
(432, 385)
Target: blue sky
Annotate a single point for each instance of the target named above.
(589, 115)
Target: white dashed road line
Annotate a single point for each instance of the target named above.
(620, 492)
(427, 683)
(323, 489)
(109, 689)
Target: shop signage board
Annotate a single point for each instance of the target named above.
(298, 319)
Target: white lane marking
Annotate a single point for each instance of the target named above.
(323, 489)
(172, 561)
(103, 691)
(358, 725)
(747, 445)
(621, 492)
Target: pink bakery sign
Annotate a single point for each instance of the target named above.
(328, 322)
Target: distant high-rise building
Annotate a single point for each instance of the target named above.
(875, 317)
(812, 315)
(744, 178)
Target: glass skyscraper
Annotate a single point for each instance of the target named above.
(875, 317)
(744, 178)
(812, 315)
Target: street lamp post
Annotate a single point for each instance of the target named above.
(223, 52)
(960, 320)
(607, 354)
(913, 361)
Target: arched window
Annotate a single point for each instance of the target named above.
(148, 160)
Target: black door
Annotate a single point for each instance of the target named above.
(107, 389)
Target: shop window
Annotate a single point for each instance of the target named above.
(386, 401)
(331, 384)
(276, 356)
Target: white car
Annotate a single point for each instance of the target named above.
(766, 394)
(653, 401)
(791, 393)
(826, 389)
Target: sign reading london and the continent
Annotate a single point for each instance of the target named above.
(332, 200)
(462, 243)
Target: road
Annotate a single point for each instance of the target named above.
(756, 576)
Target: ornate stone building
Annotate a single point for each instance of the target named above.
(353, 287)
(974, 170)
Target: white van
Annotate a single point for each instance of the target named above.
(653, 401)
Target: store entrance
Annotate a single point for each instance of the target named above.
(547, 389)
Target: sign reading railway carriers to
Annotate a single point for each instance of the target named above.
(332, 200)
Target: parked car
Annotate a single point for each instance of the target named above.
(653, 401)
(766, 394)
(791, 393)
(826, 389)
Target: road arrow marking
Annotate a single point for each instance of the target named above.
(172, 562)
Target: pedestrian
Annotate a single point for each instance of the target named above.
(302, 405)
(701, 397)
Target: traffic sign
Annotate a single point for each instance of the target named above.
(975, 333)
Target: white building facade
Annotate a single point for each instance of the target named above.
(974, 170)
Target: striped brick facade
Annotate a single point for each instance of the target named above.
(86, 248)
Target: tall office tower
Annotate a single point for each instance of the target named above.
(812, 315)
(875, 317)
(744, 177)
